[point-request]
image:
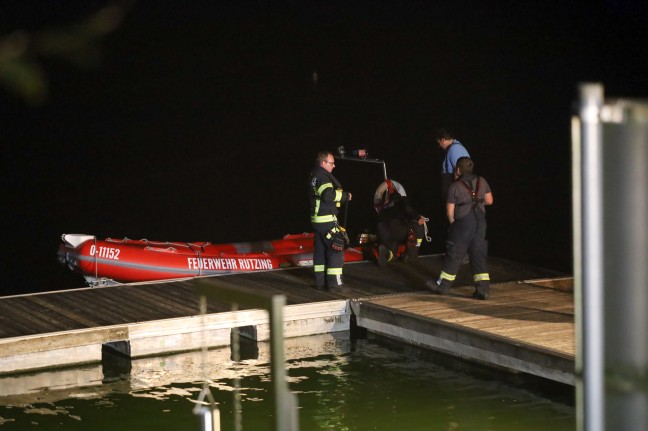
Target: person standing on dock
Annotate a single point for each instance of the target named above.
(453, 151)
(466, 204)
(325, 197)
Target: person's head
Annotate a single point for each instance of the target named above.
(444, 138)
(326, 160)
(464, 166)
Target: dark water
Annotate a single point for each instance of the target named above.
(368, 384)
(201, 122)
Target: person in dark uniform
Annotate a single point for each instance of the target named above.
(468, 196)
(325, 197)
(453, 150)
(396, 218)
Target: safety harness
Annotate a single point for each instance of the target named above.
(390, 188)
(473, 193)
(387, 202)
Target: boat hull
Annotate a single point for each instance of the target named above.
(126, 260)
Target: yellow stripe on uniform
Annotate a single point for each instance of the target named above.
(323, 219)
(481, 277)
(450, 277)
(323, 187)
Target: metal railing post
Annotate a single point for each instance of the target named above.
(588, 254)
(611, 261)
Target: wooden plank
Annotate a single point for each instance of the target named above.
(533, 298)
(60, 340)
(97, 304)
(79, 306)
(62, 309)
(138, 303)
(484, 314)
(36, 319)
(126, 309)
(162, 304)
(177, 295)
(13, 324)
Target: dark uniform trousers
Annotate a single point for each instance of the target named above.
(392, 233)
(467, 235)
(327, 263)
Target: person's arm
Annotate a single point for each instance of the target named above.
(450, 208)
(409, 211)
(488, 198)
(326, 192)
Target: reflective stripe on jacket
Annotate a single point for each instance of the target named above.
(325, 196)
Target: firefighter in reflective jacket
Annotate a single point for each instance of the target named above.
(467, 197)
(325, 197)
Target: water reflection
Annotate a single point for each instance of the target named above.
(369, 384)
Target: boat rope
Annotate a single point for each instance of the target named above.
(189, 245)
(199, 266)
(96, 264)
(425, 229)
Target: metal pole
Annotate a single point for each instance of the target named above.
(342, 156)
(577, 236)
(588, 248)
(611, 261)
(625, 215)
(285, 404)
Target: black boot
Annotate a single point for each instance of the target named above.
(320, 281)
(440, 286)
(333, 282)
(482, 290)
(410, 255)
(385, 255)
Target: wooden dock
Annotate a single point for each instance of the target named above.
(526, 326)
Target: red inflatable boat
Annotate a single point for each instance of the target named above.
(126, 260)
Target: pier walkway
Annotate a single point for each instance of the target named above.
(526, 326)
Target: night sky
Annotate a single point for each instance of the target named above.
(199, 121)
